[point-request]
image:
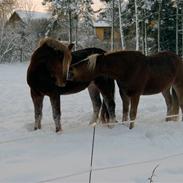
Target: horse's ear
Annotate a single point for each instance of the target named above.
(71, 46)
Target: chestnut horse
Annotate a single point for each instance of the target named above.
(136, 75)
(46, 75)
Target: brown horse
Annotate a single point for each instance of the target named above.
(136, 75)
(47, 72)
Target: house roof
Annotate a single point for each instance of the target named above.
(32, 15)
(101, 23)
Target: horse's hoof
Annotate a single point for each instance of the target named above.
(168, 119)
(110, 126)
(37, 128)
(92, 122)
(58, 130)
(132, 125)
(174, 118)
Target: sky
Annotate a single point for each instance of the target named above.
(36, 5)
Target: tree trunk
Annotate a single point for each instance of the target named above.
(159, 19)
(177, 28)
(182, 30)
(112, 28)
(70, 26)
(120, 26)
(136, 25)
(145, 39)
(76, 34)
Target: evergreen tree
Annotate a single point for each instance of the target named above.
(73, 11)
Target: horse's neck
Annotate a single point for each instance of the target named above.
(110, 65)
(119, 64)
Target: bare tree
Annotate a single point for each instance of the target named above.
(153, 174)
(136, 24)
(6, 40)
(159, 20)
(182, 31)
(121, 25)
(6, 7)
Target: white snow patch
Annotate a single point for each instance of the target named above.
(34, 156)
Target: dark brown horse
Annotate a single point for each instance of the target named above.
(46, 75)
(136, 75)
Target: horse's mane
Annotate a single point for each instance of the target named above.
(55, 44)
(124, 51)
(92, 61)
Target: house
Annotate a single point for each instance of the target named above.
(23, 17)
(103, 30)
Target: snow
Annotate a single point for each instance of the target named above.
(44, 156)
(101, 23)
(33, 15)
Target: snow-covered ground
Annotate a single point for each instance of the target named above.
(120, 155)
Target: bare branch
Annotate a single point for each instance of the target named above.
(153, 174)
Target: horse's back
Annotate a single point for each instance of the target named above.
(163, 63)
(162, 70)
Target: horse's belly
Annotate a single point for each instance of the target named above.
(73, 87)
(157, 86)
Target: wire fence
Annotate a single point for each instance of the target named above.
(160, 159)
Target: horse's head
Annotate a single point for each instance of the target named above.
(84, 70)
(80, 71)
(57, 56)
(72, 74)
(60, 67)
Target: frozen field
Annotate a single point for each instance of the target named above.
(120, 155)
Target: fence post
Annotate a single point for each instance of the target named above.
(93, 145)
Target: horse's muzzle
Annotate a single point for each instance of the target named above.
(70, 76)
(60, 84)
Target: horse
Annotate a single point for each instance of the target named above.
(46, 76)
(136, 75)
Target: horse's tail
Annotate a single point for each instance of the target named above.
(175, 103)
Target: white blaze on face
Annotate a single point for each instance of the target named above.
(66, 64)
(67, 74)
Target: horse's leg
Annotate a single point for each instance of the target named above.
(104, 115)
(38, 105)
(110, 104)
(168, 99)
(175, 105)
(179, 93)
(125, 103)
(172, 104)
(133, 109)
(107, 88)
(55, 103)
(96, 101)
